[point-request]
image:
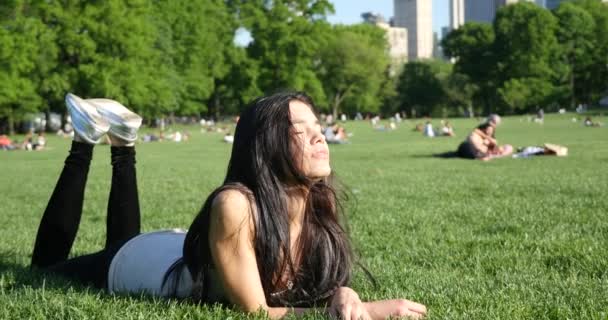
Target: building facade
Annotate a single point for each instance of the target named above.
(485, 10)
(397, 41)
(552, 4)
(456, 14)
(395, 36)
(417, 17)
(479, 10)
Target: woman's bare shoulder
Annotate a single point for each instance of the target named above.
(231, 208)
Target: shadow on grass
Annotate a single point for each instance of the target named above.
(19, 278)
(442, 155)
(16, 276)
(27, 285)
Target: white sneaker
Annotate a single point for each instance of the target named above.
(123, 122)
(86, 120)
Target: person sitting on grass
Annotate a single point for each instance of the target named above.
(482, 145)
(40, 142)
(447, 130)
(589, 123)
(6, 143)
(269, 238)
(428, 130)
(334, 133)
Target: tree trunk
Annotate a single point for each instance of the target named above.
(487, 105)
(572, 97)
(216, 105)
(11, 122)
(336, 105)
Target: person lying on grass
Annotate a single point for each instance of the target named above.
(268, 239)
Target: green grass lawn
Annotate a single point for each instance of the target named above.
(506, 239)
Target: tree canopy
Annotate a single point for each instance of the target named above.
(352, 67)
(180, 57)
(532, 58)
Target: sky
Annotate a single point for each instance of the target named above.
(349, 12)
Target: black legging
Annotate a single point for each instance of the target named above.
(61, 218)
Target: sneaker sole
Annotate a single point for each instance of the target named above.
(87, 122)
(123, 122)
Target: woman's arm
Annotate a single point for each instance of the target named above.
(231, 236)
(491, 141)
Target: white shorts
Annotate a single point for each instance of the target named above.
(140, 265)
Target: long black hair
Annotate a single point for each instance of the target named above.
(263, 168)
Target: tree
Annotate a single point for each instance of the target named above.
(527, 53)
(103, 49)
(472, 46)
(575, 35)
(287, 34)
(353, 66)
(19, 57)
(239, 86)
(520, 93)
(459, 91)
(593, 78)
(197, 42)
(420, 88)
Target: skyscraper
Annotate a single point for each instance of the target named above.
(456, 14)
(485, 10)
(479, 10)
(417, 17)
(552, 4)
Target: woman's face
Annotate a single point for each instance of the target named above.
(311, 153)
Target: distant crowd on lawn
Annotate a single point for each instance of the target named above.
(29, 143)
(480, 143)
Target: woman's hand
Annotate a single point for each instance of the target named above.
(346, 305)
(397, 308)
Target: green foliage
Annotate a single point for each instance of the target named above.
(353, 67)
(423, 87)
(21, 55)
(594, 77)
(104, 49)
(531, 58)
(156, 57)
(520, 93)
(527, 53)
(239, 86)
(196, 42)
(179, 57)
(287, 35)
(460, 92)
(575, 35)
(471, 46)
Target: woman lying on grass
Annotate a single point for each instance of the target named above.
(269, 238)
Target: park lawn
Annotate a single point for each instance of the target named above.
(506, 239)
